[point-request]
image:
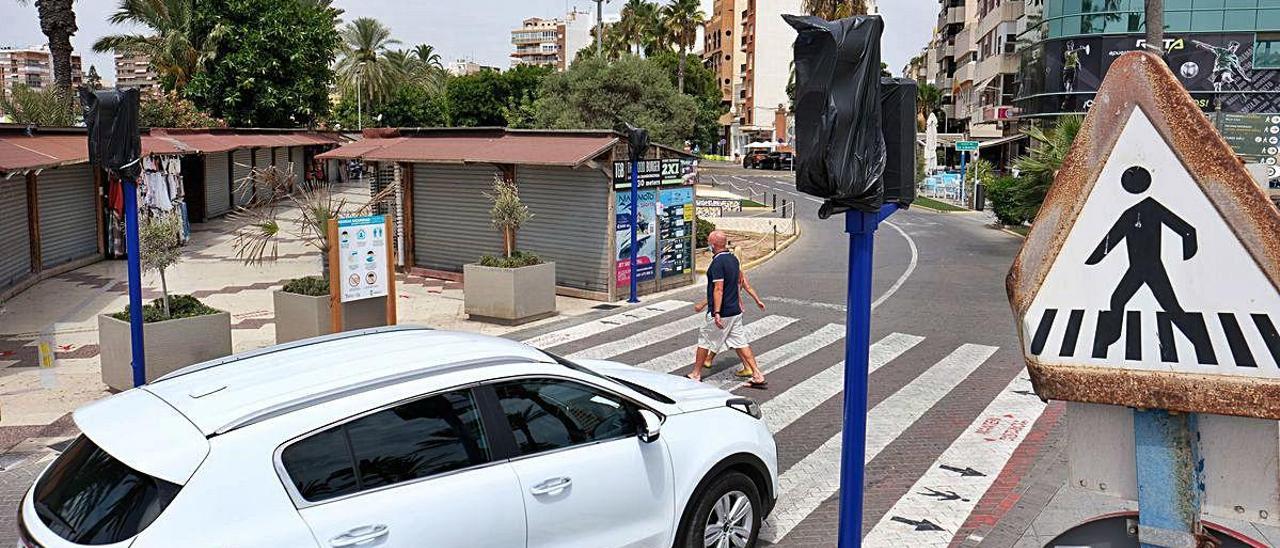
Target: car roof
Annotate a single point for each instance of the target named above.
(226, 394)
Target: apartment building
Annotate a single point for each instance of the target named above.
(537, 42)
(33, 67)
(133, 70)
(467, 67)
(553, 42)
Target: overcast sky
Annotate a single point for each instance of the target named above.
(473, 29)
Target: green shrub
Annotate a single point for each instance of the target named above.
(516, 260)
(311, 286)
(180, 306)
(1015, 200)
(703, 230)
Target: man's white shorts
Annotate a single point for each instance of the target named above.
(734, 334)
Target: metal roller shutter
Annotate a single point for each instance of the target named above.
(68, 221)
(241, 164)
(15, 245)
(217, 185)
(451, 215)
(299, 166)
(570, 223)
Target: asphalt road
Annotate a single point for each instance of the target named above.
(953, 428)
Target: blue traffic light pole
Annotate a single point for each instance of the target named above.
(861, 227)
(134, 251)
(635, 225)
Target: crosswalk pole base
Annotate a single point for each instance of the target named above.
(1170, 490)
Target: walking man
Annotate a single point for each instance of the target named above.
(723, 326)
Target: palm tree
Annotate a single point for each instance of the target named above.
(426, 53)
(639, 24)
(363, 67)
(58, 23)
(835, 9)
(928, 96)
(175, 50)
(681, 19)
(408, 67)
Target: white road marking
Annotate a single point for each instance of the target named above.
(817, 476)
(584, 330)
(676, 359)
(911, 245)
(802, 302)
(787, 407)
(782, 356)
(945, 497)
(640, 340)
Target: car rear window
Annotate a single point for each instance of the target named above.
(89, 497)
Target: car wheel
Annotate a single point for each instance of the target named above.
(727, 514)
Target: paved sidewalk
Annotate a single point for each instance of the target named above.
(63, 310)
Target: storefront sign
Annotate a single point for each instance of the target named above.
(654, 173)
(676, 209)
(362, 248)
(646, 237)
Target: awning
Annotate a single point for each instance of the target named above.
(1002, 140)
(40, 149)
(503, 147)
(983, 84)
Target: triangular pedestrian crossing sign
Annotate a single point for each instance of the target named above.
(1150, 276)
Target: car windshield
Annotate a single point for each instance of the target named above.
(89, 497)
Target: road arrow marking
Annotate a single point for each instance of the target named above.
(964, 472)
(922, 525)
(944, 496)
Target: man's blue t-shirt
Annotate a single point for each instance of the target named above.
(724, 266)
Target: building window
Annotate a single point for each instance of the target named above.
(1266, 52)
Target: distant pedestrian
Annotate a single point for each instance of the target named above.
(723, 326)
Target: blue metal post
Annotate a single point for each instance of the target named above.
(138, 352)
(964, 157)
(635, 224)
(1170, 487)
(857, 343)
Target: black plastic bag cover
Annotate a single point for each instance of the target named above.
(839, 146)
(111, 117)
(637, 142)
(898, 120)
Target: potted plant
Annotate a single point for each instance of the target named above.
(178, 330)
(300, 212)
(517, 287)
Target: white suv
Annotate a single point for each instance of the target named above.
(409, 437)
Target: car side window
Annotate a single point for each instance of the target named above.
(548, 414)
(413, 440)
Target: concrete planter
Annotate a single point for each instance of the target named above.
(170, 345)
(510, 296)
(300, 316)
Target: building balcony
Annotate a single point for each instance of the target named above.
(955, 16)
(964, 73)
(996, 65)
(1007, 12)
(965, 42)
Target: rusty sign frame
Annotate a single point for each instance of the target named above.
(1142, 80)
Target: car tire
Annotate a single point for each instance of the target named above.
(719, 506)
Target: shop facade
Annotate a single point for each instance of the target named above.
(568, 179)
(60, 213)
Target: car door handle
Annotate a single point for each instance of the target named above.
(551, 486)
(360, 536)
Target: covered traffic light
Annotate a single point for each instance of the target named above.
(840, 146)
(111, 116)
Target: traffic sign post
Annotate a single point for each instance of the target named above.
(861, 227)
(964, 148)
(1152, 206)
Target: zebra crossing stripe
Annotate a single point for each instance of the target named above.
(640, 340)
(817, 476)
(946, 498)
(783, 356)
(584, 330)
(785, 408)
(676, 359)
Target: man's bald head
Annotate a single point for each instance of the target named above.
(718, 240)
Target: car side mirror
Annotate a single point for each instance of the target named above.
(650, 426)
